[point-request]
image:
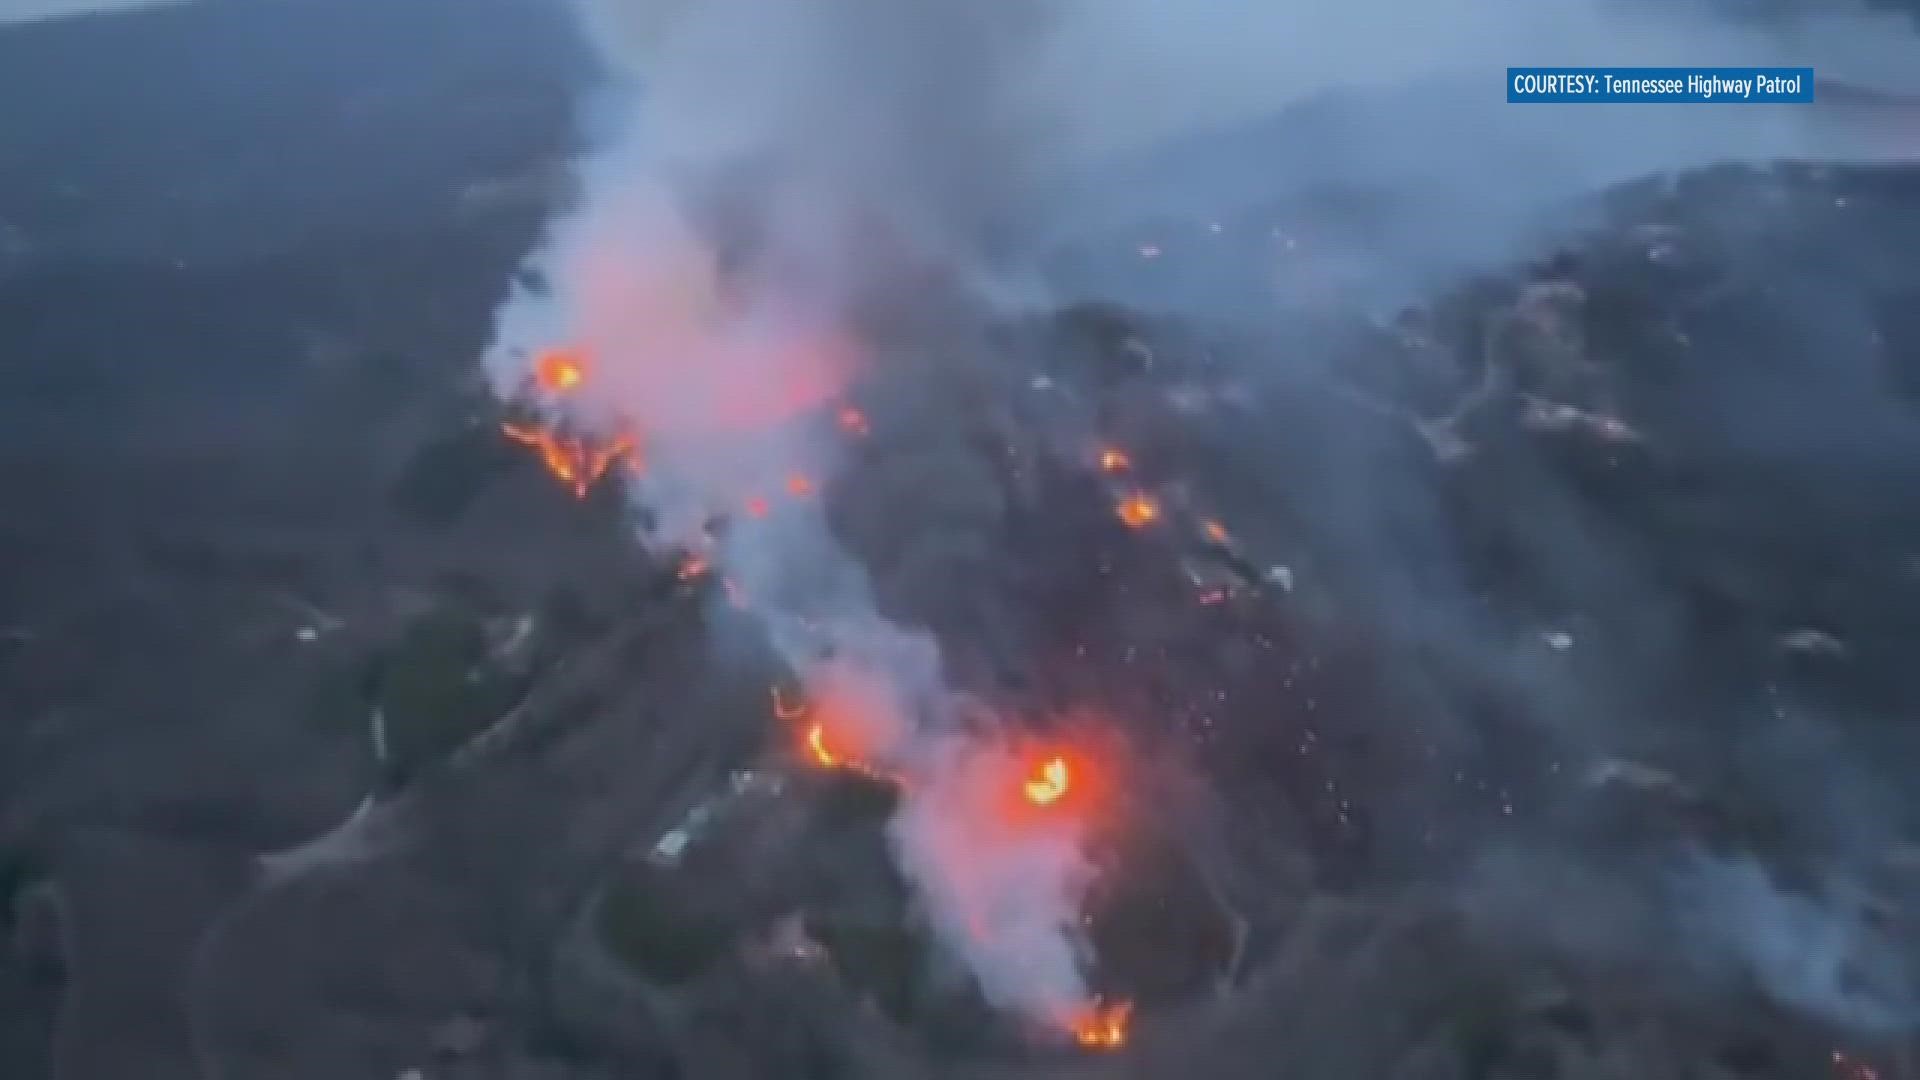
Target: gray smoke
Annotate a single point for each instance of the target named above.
(1811, 952)
(779, 164)
(769, 170)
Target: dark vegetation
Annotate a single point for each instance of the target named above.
(239, 398)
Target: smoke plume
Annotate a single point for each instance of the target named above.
(1813, 953)
(771, 171)
(780, 164)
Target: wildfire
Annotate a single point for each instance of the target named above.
(830, 740)
(816, 734)
(814, 737)
(1138, 510)
(577, 463)
(1048, 783)
(1114, 461)
(1103, 1025)
(559, 370)
(817, 746)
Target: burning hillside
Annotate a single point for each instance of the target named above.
(1052, 538)
(1119, 697)
(1177, 628)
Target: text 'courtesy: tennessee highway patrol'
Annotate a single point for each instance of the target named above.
(1777, 86)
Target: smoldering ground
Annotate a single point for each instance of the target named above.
(806, 160)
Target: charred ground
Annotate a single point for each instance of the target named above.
(1521, 597)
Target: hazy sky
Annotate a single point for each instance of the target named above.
(12, 11)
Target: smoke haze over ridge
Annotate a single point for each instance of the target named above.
(769, 169)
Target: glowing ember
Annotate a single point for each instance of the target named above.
(559, 370)
(853, 421)
(1048, 783)
(1114, 461)
(756, 507)
(817, 746)
(1138, 510)
(577, 463)
(1103, 1026)
(799, 486)
(692, 567)
(816, 732)
(1215, 531)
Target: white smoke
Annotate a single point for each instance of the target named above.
(1814, 953)
(1010, 890)
(769, 165)
(784, 157)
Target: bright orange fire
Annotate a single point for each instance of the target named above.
(1048, 782)
(1115, 461)
(577, 463)
(559, 370)
(1138, 510)
(817, 746)
(1103, 1025)
(816, 734)
(1215, 531)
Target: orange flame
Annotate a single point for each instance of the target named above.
(1048, 783)
(559, 370)
(823, 746)
(1215, 532)
(1138, 510)
(1103, 1026)
(692, 567)
(576, 463)
(817, 746)
(816, 733)
(799, 485)
(1115, 461)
